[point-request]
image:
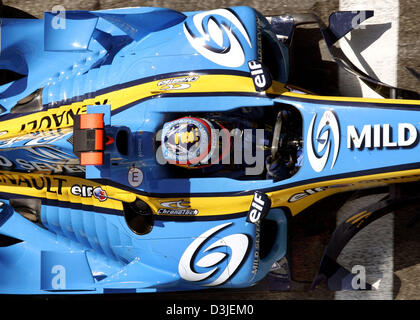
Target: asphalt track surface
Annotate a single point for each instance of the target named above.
(389, 247)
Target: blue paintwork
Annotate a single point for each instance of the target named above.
(96, 251)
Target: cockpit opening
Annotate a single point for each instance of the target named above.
(244, 144)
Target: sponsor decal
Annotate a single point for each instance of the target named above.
(36, 138)
(390, 179)
(238, 244)
(44, 183)
(340, 185)
(35, 166)
(100, 194)
(256, 261)
(55, 120)
(179, 207)
(47, 158)
(176, 204)
(178, 212)
(327, 134)
(176, 83)
(260, 76)
(215, 33)
(307, 192)
(89, 191)
(49, 154)
(135, 177)
(381, 136)
(260, 205)
(259, 39)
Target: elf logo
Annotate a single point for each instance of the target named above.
(260, 205)
(100, 194)
(89, 191)
(260, 76)
(378, 136)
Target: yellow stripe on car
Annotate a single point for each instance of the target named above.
(57, 187)
(62, 117)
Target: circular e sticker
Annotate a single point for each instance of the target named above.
(135, 177)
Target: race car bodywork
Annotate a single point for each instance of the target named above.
(88, 204)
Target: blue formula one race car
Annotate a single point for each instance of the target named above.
(149, 150)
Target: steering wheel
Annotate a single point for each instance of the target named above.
(277, 143)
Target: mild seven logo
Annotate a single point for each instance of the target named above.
(319, 145)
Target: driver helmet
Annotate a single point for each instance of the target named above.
(191, 142)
